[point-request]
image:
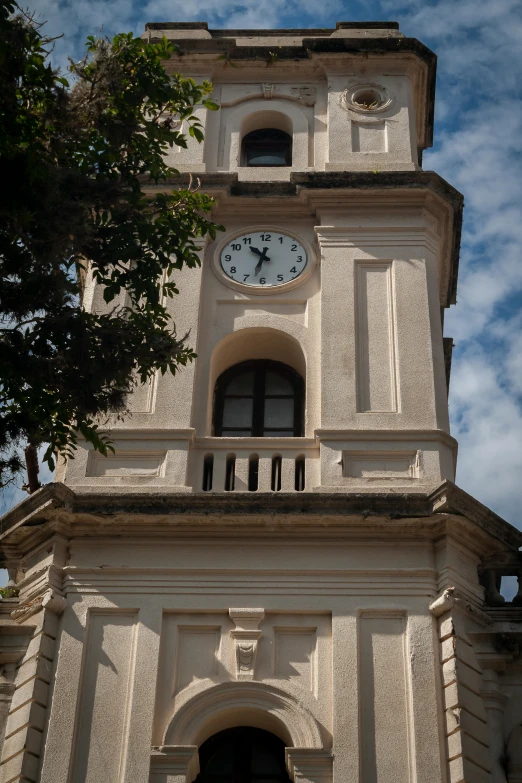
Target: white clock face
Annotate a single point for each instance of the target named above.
(263, 259)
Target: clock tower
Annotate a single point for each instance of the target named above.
(275, 578)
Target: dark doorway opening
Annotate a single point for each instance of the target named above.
(242, 755)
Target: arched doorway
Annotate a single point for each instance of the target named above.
(242, 755)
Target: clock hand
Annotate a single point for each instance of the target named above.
(262, 257)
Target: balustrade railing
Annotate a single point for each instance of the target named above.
(261, 465)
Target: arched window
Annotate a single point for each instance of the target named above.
(267, 147)
(242, 755)
(259, 399)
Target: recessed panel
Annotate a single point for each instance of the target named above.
(105, 698)
(376, 370)
(295, 655)
(197, 654)
(368, 137)
(383, 700)
(126, 464)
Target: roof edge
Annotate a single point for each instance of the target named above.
(445, 499)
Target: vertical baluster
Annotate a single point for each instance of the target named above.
(241, 482)
(218, 475)
(265, 474)
(288, 473)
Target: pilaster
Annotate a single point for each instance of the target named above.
(465, 718)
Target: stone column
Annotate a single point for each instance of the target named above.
(494, 702)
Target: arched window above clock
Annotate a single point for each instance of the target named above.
(259, 398)
(267, 147)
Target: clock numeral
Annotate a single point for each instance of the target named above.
(247, 241)
(281, 239)
(235, 247)
(228, 258)
(262, 280)
(293, 269)
(280, 278)
(266, 237)
(300, 258)
(245, 278)
(232, 270)
(294, 247)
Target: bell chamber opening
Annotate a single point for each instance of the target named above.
(260, 399)
(242, 755)
(267, 147)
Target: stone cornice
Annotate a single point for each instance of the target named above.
(445, 510)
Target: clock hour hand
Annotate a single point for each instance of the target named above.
(262, 257)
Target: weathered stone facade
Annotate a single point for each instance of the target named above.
(331, 586)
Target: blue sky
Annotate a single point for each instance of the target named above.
(478, 141)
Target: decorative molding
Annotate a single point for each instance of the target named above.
(181, 761)
(450, 599)
(383, 99)
(150, 433)
(305, 94)
(23, 612)
(54, 603)
(444, 603)
(378, 236)
(309, 765)
(273, 705)
(246, 636)
(49, 600)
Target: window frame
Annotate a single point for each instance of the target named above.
(276, 143)
(260, 367)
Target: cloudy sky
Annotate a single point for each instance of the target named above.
(478, 141)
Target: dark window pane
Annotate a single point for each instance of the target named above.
(264, 763)
(237, 412)
(241, 384)
(222, 761)
(267, 147)
(258, 398)
(277, 384)
(279, 413)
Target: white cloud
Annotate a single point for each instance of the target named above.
(488, 426)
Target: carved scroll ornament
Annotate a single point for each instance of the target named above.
(246, 635)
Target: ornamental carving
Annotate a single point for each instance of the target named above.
(368, 98)
(304, 94)
(246, 636)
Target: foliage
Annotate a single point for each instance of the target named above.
(8, 592)
(75, 162)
